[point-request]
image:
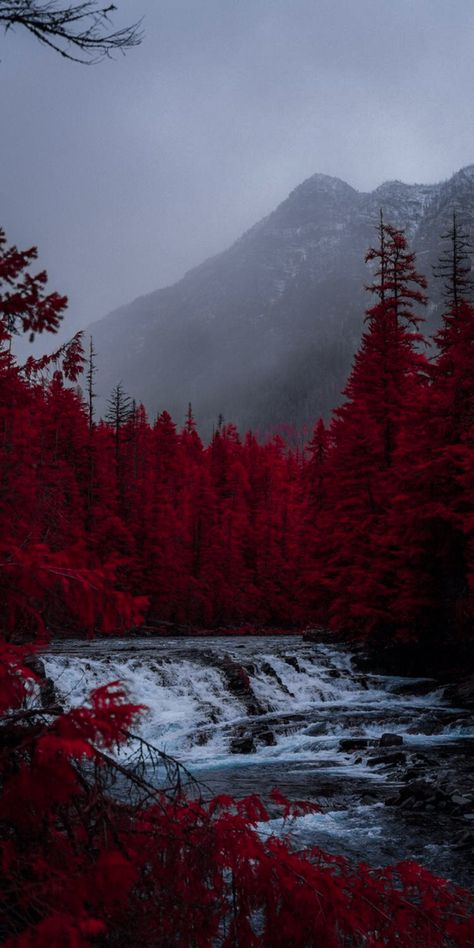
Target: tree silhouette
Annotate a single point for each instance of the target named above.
(454, 265)
(79, 31)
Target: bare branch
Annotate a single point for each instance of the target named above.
(78, 31)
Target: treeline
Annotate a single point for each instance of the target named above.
(369, 530)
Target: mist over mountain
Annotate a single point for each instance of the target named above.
(265, 332)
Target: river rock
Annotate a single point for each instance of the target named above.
(238, 682)
(315, 730)
(36, 665)
(349, 744)
(47, 691)
(420, 687)
(270, 671)
(462, 692)
(266, 737)
(390, 740)
(243, 744)
(459, 800)
(420, 789)
(293, 661)
(386, 759)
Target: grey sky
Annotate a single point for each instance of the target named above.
(127, 173)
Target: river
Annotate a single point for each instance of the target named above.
(388, 759)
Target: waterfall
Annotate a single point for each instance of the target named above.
(295, 701)
(247, 714)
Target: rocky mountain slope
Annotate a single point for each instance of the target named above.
(265, 332)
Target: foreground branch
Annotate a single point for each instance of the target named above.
(79, 31)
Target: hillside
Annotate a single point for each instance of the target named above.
(264, 332)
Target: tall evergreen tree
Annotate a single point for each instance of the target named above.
(382, 394)
(91, 372)
(432, 516)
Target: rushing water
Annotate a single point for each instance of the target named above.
(246, 715)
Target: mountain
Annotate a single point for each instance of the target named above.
(265, 332)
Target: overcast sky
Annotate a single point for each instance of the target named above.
(127, 173)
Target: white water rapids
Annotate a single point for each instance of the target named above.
(245, 715)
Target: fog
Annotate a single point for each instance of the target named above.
(127, 173)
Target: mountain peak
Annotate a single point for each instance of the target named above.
(323, 182)
(466, 172)
(267, 329)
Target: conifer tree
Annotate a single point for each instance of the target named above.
(431, 517)
(90, 376)
(119, 407)
(382, 393)
(454, 265)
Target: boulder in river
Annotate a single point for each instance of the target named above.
(349, 744)
(267, 737)
(243, 744)
(396, 758)
(293, 661)
(462, 692)
(391, 740)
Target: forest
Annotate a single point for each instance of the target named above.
(122, 524)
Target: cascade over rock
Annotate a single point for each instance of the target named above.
(246, 715)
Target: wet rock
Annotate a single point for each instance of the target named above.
(420, 789)
(416, 688)
(202, 739)
(460, 800)
(293, 661)
(420, 795)
(468, 816)
(464, 841)
(433, 727)
(386, 759)
(349, 744)
(266, 737)
(316, 730)
(48, 694)
(236, 676)
(238, 683)
(392, 801)
(243, 744)
(390, 740)
(270, 671)
(413, 773)
(36, 665)
(462, 692)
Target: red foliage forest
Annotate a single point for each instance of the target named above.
(104, 525)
